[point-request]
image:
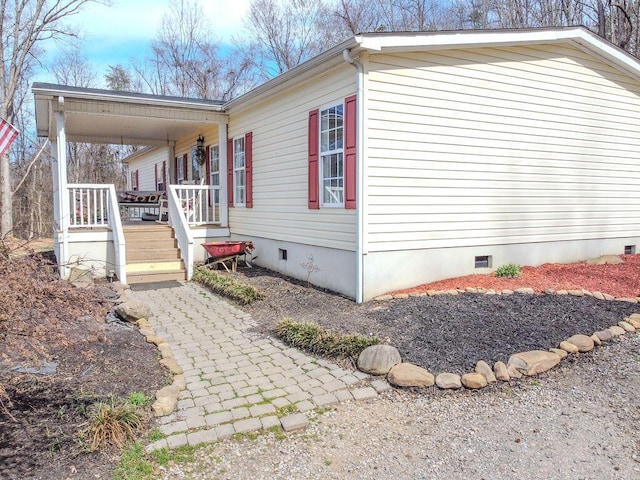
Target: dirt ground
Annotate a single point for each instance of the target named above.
(44, 321)
(38, 432)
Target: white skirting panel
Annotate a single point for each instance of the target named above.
(324, 267)
(387, 271)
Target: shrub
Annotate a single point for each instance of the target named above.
(111, 423)
(320, 341)
(510, 270)
(138, 399)
(226, 286)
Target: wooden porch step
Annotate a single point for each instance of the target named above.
(154, 266)
(142, 234)
(152, 254)
(157, 276)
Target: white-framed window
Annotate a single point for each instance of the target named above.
(332, 155)
(159, 176)
(239, 172)
(214, 170)
(180, 169)
(134, 180)
(195, 166)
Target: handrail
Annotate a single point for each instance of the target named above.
(118, 235)
(88, 204)
(178, 222)
(200, 203)
(96, 205)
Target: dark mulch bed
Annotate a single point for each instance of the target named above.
(442, 333)
(40, 441)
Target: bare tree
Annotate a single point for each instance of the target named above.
(283, 34)
(24, 26)
(187, 61)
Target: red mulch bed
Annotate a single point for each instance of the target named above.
(621, 280)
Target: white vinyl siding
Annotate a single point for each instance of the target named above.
(186, 145)
(280, 165)
(500, 146)
(145, 162)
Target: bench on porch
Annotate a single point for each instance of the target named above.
(140, 205)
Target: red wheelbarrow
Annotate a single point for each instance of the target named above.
(219, 253)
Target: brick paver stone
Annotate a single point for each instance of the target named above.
(240, 376)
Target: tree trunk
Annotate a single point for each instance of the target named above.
(6, 219)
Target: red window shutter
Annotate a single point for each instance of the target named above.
(185, 173)
(313, 150)
(230, 171)
(164, 174)
(350, 157)
(175, 169)
(137, 180)
(248, 168)
(155, 174)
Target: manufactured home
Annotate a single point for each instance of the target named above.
(391, 160)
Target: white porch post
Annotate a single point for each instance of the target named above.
(61, 195)
(224, 205)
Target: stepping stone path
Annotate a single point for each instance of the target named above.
(229, 380)
(233, 380)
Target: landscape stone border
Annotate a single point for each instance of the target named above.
(520, 364)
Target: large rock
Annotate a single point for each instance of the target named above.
(501, 372)
(473, 380)
(605, 259)
(616, 331)
(584, 343)
(627, 326)
(568, 347)
(484, 369)
(133, 310)
(604, 335)
(81, 276)
(560, 352)
(533, 361)
(409, 375)
(448, 381)
(378, 359)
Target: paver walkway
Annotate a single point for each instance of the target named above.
(238, 380)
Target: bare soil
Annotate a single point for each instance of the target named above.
(44, 320)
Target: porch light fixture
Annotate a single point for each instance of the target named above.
(200, 152)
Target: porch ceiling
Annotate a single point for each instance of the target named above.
(102, 116)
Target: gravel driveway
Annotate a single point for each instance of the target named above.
(578, 421)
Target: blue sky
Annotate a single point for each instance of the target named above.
(114, 34)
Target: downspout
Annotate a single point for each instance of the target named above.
(346, 54)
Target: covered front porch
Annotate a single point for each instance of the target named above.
(94, 227)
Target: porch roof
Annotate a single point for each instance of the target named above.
(106, 116)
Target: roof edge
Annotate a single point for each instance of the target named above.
(51, 89)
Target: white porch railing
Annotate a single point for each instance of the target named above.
(89, 205)
(96, 205)
(199, 204)
(178, 221)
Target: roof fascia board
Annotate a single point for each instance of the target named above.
(50, 90)
(580, 37)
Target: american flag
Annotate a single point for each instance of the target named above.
(8, 134)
